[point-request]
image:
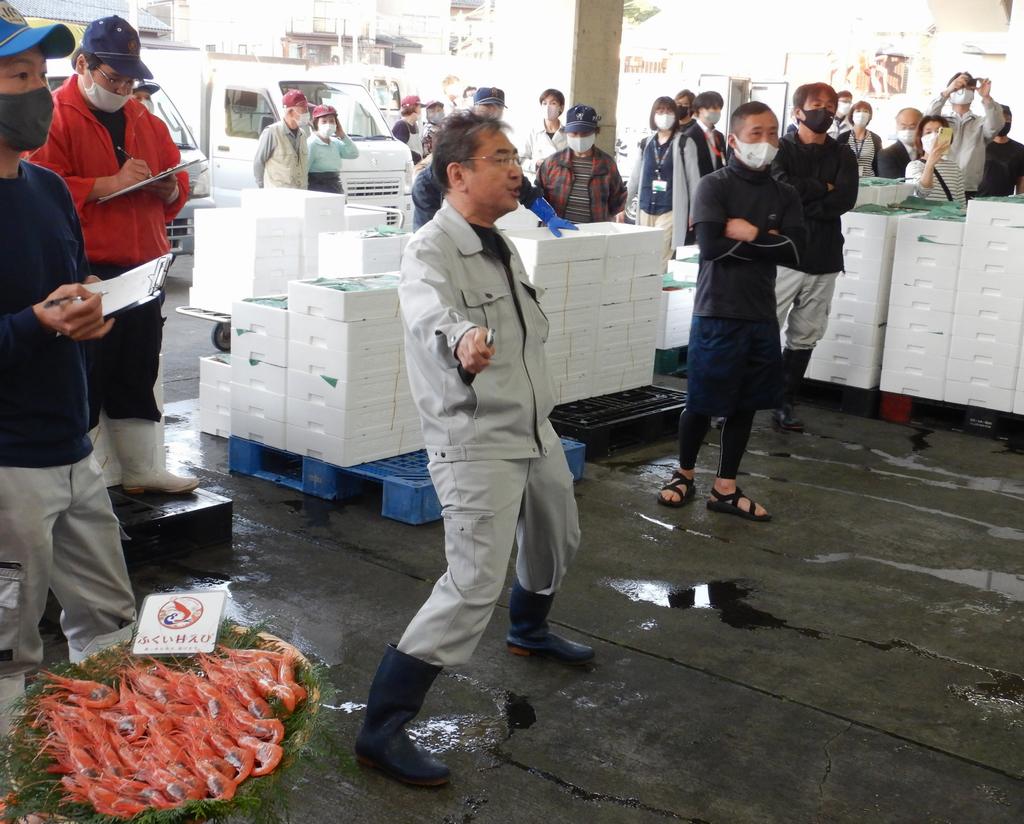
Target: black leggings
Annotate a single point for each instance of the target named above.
(735, 434)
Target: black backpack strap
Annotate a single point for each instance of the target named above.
(942, 183)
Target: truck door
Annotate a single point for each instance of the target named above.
(238, 116)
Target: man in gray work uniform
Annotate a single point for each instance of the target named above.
(495, 460)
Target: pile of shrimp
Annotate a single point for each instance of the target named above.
(165, 737)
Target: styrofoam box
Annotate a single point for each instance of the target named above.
(343, 254)
(642, 333)
(977, 393)
(259, 375)
(264, 348)
(927, 255)
(298, 203)
(863, 291)
(997, 242)
(373, 419)
(558, 346)
(903, 362)
(982, 374)
(310, 297)
(671, 337)
(617, 269)
(646, 310)
(647, 287)
(261, 430)
(536, 246)
(337, 394)
(985, 330)
(215, 371)
(253, 315)
(215, 422)
(235, 235)
(678, 300)
(878, 270)
(909, 297)
(923, 345)
(869, 249)
(614, 314)
(617, 291)
(549, 275)
(354, 365)
(989, 307)
(920, 386)
(650, 263)
(864, 377)
(572, 297)
(215, 300)
(341, 336)
(577, 320)
(258, 402)
(924, 277)
(357, 219)
(857, 334)
(872, 312)
(919, 231)
(865, 226)
(343, 452)
(585, 272)
(992, 283)
(626, 239)
(1009, 212)
(919, 320)
(985, 352)
(847, 354)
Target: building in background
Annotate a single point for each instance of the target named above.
(77, 15)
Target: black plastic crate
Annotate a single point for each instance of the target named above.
(851, 400)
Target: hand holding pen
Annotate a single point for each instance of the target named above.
(73, 311)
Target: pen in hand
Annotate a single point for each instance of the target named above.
(58, 301)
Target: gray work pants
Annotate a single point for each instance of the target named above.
(803, 302)
(488, 505)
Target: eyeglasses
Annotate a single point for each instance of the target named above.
(506, 161)
(121, 83)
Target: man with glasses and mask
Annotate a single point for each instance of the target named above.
(103, 140)
(826, 176)
(474, 340)
(282, 155)
(427, 194)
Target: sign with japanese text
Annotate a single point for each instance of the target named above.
(179, 623)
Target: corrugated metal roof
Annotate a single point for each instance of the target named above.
(85, 11)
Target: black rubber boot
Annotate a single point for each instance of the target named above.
(529, 634)
(794, 365)
(396, 695)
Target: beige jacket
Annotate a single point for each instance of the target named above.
(448, 286)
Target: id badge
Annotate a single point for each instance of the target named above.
(659, 186)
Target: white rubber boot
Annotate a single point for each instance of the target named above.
(135, 441)
(12, 688)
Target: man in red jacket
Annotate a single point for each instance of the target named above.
(103, 140)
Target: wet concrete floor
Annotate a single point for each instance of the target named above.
(858, 659)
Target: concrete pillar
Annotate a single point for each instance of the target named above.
(595, 62)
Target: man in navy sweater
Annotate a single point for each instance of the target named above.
(57, 528)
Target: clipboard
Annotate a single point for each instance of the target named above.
(134, 288)
(159, 176)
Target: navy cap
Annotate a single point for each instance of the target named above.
(146, 86)
(489, 96)
(17, 36)
(581, 119)
(115, 42)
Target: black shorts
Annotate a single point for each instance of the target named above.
(733, 366)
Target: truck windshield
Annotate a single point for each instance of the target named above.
(358, 116)
(165, 109)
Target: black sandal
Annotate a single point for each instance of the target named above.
(678, 480)
(730, 505)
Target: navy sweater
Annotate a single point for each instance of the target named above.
(44, 415)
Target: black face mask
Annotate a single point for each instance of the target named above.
(684, 112)
(1003, 132)
(818, 120)
(25, 119)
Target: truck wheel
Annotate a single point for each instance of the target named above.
(221, 336)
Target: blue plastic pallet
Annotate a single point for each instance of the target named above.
(408, 493)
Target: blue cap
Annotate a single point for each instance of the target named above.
(581, 119)
(17, 36)
(115, 42)
(489, 96)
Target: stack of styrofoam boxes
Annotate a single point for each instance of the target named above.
(984, 354)
(627, 327)
(569, 270)
(354, 254)
(241, 254)
(677, 297)
(259, 360)
(215, 395)
(883, 193)
(850, 352)
(348, 390)
(921, 301)
(317, 212)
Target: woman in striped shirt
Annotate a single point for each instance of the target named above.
(866, 145)
(936, 177)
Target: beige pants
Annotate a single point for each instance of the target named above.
(803, 302)
(663, 222)
(488, 506)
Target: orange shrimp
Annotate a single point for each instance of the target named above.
(240, 685)
(91, 694)
(167, 782)
(151, 686)
(263, 676)
(132, 727)
(266, 728)
(70, 750)
(240, 758)
(108, 802)
(268, 755)
(219, 785)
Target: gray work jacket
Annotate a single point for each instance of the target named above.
(971, 136)
(448, 286)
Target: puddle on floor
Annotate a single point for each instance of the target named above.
(1007, 584)
(464, 732)
(1004, 695)
(519, 713)
(919, 440)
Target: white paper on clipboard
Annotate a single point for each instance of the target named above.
(158, 176)
(135, 286)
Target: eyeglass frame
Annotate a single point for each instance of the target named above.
(501, 160)
(126, 81)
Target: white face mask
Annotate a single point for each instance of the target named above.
(712, 116)
(906, 136)
(928, 141)
(148, 104)
(325, 129)
(861, 119)
(664, 120)
(102, 99)
(303, 120)
(550, 112)
(580, 144)
(755, 156)
(964, 97)
(843, 108)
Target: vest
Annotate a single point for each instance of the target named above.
(285, 169)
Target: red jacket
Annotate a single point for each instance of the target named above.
(130, 229)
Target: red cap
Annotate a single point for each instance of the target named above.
(293, 97)
(410, 101)
(324, 111)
